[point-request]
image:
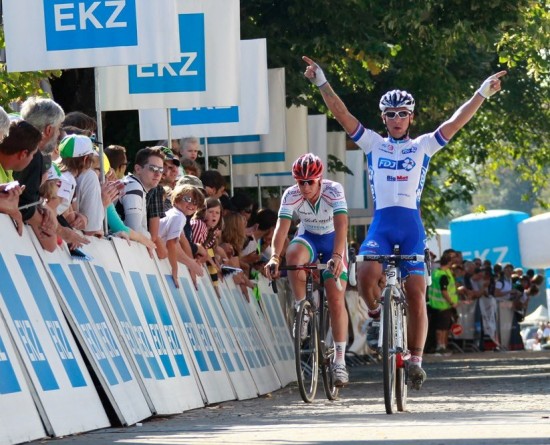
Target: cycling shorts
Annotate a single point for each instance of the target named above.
(397, 225)
(320, 245)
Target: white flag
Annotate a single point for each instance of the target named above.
(206, 74)
(62, 34)
(250, 115)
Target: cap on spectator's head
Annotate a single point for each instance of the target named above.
(191, 180)
(54, 172)
(76, 146)
(170, 156)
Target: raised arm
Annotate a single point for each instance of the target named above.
(316, 76)
(463, 115)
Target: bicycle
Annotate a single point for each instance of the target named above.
(392, 340)
(314, 351)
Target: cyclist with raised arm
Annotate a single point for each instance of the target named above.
(321, 206)
(397, 168)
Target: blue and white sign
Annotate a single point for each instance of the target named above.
(61, 34)
(250, 115)
(491, 235)
(206, 72)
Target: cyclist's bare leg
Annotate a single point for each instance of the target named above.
(337, 308)
(296, 254)
(417, 321)
(368, 277)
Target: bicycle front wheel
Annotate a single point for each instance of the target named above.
(388, 350)
(400, 374)
(306, 351)
(327, 353)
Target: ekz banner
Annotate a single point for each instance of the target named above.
(62, 34)
(205, 74)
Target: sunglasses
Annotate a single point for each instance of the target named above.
(189, 200)
(393, 114)
(154, 168)
(306, 181)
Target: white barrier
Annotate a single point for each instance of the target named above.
(153, 348)
(19, 421)
(209, 364)
(282, 350)
(258, 362)
(157, 319)
(96, 334)
(59, 381)
(240, 375)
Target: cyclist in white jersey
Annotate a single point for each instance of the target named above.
(321, 206)
(397, 168)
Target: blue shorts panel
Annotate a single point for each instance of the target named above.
(397, 225)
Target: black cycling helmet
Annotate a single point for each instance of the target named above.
(397, 99)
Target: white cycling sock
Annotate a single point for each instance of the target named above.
(416, 360)
(297, 304)
(340, 352)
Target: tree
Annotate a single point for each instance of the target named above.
(16, 87)
(441, 50)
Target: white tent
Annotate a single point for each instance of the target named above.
(540, 314)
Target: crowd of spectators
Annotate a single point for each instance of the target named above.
(456, 282)
(53, 179)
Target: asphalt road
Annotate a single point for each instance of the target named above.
(469, 399)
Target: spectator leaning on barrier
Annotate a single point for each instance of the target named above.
(17, 151)
(175, 229)
(132, 206)
(46, 116)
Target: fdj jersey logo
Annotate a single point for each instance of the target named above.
(187, 75)
(406, 164)
(89, 24)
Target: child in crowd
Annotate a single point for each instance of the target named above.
(175, 229)
(207, 228)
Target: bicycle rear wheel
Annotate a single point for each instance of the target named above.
(327, 353)
(400, 374)
(306, 352)
(388, 350)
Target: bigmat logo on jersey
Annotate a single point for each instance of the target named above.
(90, 24)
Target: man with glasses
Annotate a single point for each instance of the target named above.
(321, 207)
(132, 206)
(397, 171)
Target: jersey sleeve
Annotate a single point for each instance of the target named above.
(432, 142)
(291, 198)
(365, 138)
(334, 192)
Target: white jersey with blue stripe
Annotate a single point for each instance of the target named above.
(318, 218)
(397, 168)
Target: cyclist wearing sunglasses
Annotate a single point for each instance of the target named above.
(397, 168)
(321, 207)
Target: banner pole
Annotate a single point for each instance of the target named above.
(231, 174)
(169, 129)
(206, 153)
(99, 140)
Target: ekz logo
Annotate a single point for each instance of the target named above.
(90, 24)
(187, 75)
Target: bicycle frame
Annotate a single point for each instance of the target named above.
(318, 355)
(392, 340)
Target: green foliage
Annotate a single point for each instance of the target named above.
(16, 87)
(334, 165)
(441, 51)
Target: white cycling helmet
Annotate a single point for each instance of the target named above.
(397, 99)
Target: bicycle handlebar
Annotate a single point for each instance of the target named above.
(389, 258)
(309, 267)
